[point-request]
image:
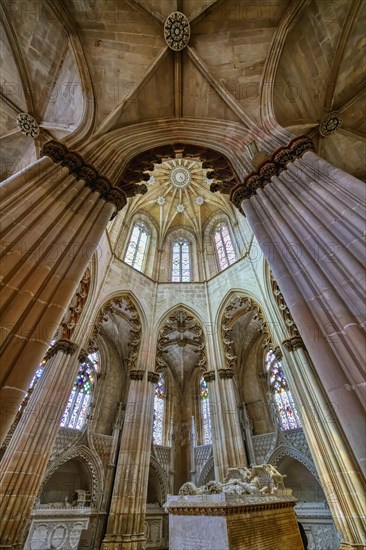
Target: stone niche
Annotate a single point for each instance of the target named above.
(232, 522)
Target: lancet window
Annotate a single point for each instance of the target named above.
(159, 410)
(181, 261)
(224, 247)
(78, 405)
(205, 413)
(137, 247)
(285, 406)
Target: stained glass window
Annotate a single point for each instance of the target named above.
(284, 404)
(206, 414)
(224, 247)
(181, 261)
(159, 408)
(137, 247)
(78, 405)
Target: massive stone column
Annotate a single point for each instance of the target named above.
(228, 446)
(53, 215)
(307, 217)
(25, 460)
(127, 511)
(342, 484)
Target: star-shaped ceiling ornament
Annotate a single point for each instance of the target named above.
(178, 195)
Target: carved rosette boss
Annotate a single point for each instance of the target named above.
(177, 31)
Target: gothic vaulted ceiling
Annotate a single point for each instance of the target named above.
(84, 68)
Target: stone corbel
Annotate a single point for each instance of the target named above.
(294, 343)
(209, 376)
(153, 377)
(226, 373)
(136, 374)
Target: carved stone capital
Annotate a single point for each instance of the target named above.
(209, 376)
(136, 374)
(294, 343)
(273, 167)
(278, 353)
(65, 346)
(153, 377)
(226, 373)
(76, 165)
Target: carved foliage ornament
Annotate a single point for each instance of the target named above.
(76, 165)
(177, 31)
(27, 125)
(273, 167)
(76, 306)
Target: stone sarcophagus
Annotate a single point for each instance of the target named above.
(232, 522)
(251, 510)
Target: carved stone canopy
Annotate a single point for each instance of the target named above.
(181, 330)
(110, 316)
(238, 307)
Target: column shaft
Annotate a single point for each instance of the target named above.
(229, 441)
(50, 234)
(127, 512)
(315, 296)
(25, 460)
(343, 486)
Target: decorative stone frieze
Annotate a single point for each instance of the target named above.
(153, 377)
(226, 373)
(76, 165)
(136, 374)
(330, 123)
(177, 31)
(273, 167)
(294, 343)
(209, 376)
(27, 125)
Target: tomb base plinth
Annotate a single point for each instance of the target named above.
(233, 522)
